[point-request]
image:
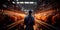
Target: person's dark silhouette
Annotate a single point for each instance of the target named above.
(29, 21)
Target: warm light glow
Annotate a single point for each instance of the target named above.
(19, 17)
(43, 15)
(15, 15)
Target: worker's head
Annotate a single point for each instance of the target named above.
(30, 12)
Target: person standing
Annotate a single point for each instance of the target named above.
(29, 21)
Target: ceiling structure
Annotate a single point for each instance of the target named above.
(32, 4)
(26, 4)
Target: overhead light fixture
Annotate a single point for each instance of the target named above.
(21, 2)
(13, 2)
(26, 2)
(31, 2)
(17, 2)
